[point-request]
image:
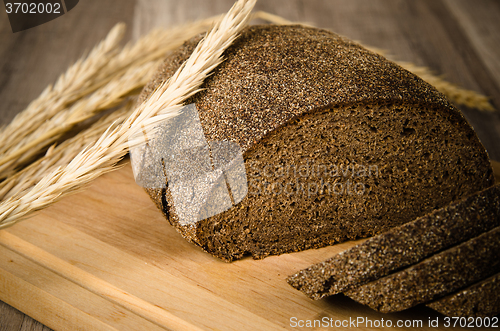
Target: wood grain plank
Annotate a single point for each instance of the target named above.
(48, 309)
(150, 14)
(84, 293)
(11, 319)
(480, 23)
(442, 44)
(374, 23)
(463, 46)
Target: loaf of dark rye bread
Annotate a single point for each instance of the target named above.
(478, 300)
(434, 277)
(377, 146)
(402, 246)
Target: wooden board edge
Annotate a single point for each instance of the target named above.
(93, 284)
(48, 310)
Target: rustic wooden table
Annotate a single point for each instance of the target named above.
(459, 39)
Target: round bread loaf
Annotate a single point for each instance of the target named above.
(338, 142)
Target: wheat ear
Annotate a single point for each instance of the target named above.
(109, 149)
(52, 129)
(65, 91)
(60, 155)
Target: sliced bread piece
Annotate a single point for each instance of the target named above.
(478, 300)
(434, 277)
(338, 142)
(402, 246)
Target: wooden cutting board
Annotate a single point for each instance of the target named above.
(106, 259)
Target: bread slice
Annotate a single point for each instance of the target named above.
(436, 276)
(339, 143)
(478, 300)
(402, 246)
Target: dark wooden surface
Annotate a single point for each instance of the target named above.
(458, 39)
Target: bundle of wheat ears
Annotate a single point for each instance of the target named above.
(107, 80)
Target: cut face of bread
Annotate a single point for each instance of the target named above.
(478, 300)
(402, 246)
(437, 276)
(338, 143)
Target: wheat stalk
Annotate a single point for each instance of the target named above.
(140, 59)
(52, 129)
(60, 155)
(154, 46)
(164, 103)
(65, 91)
(453, 92)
